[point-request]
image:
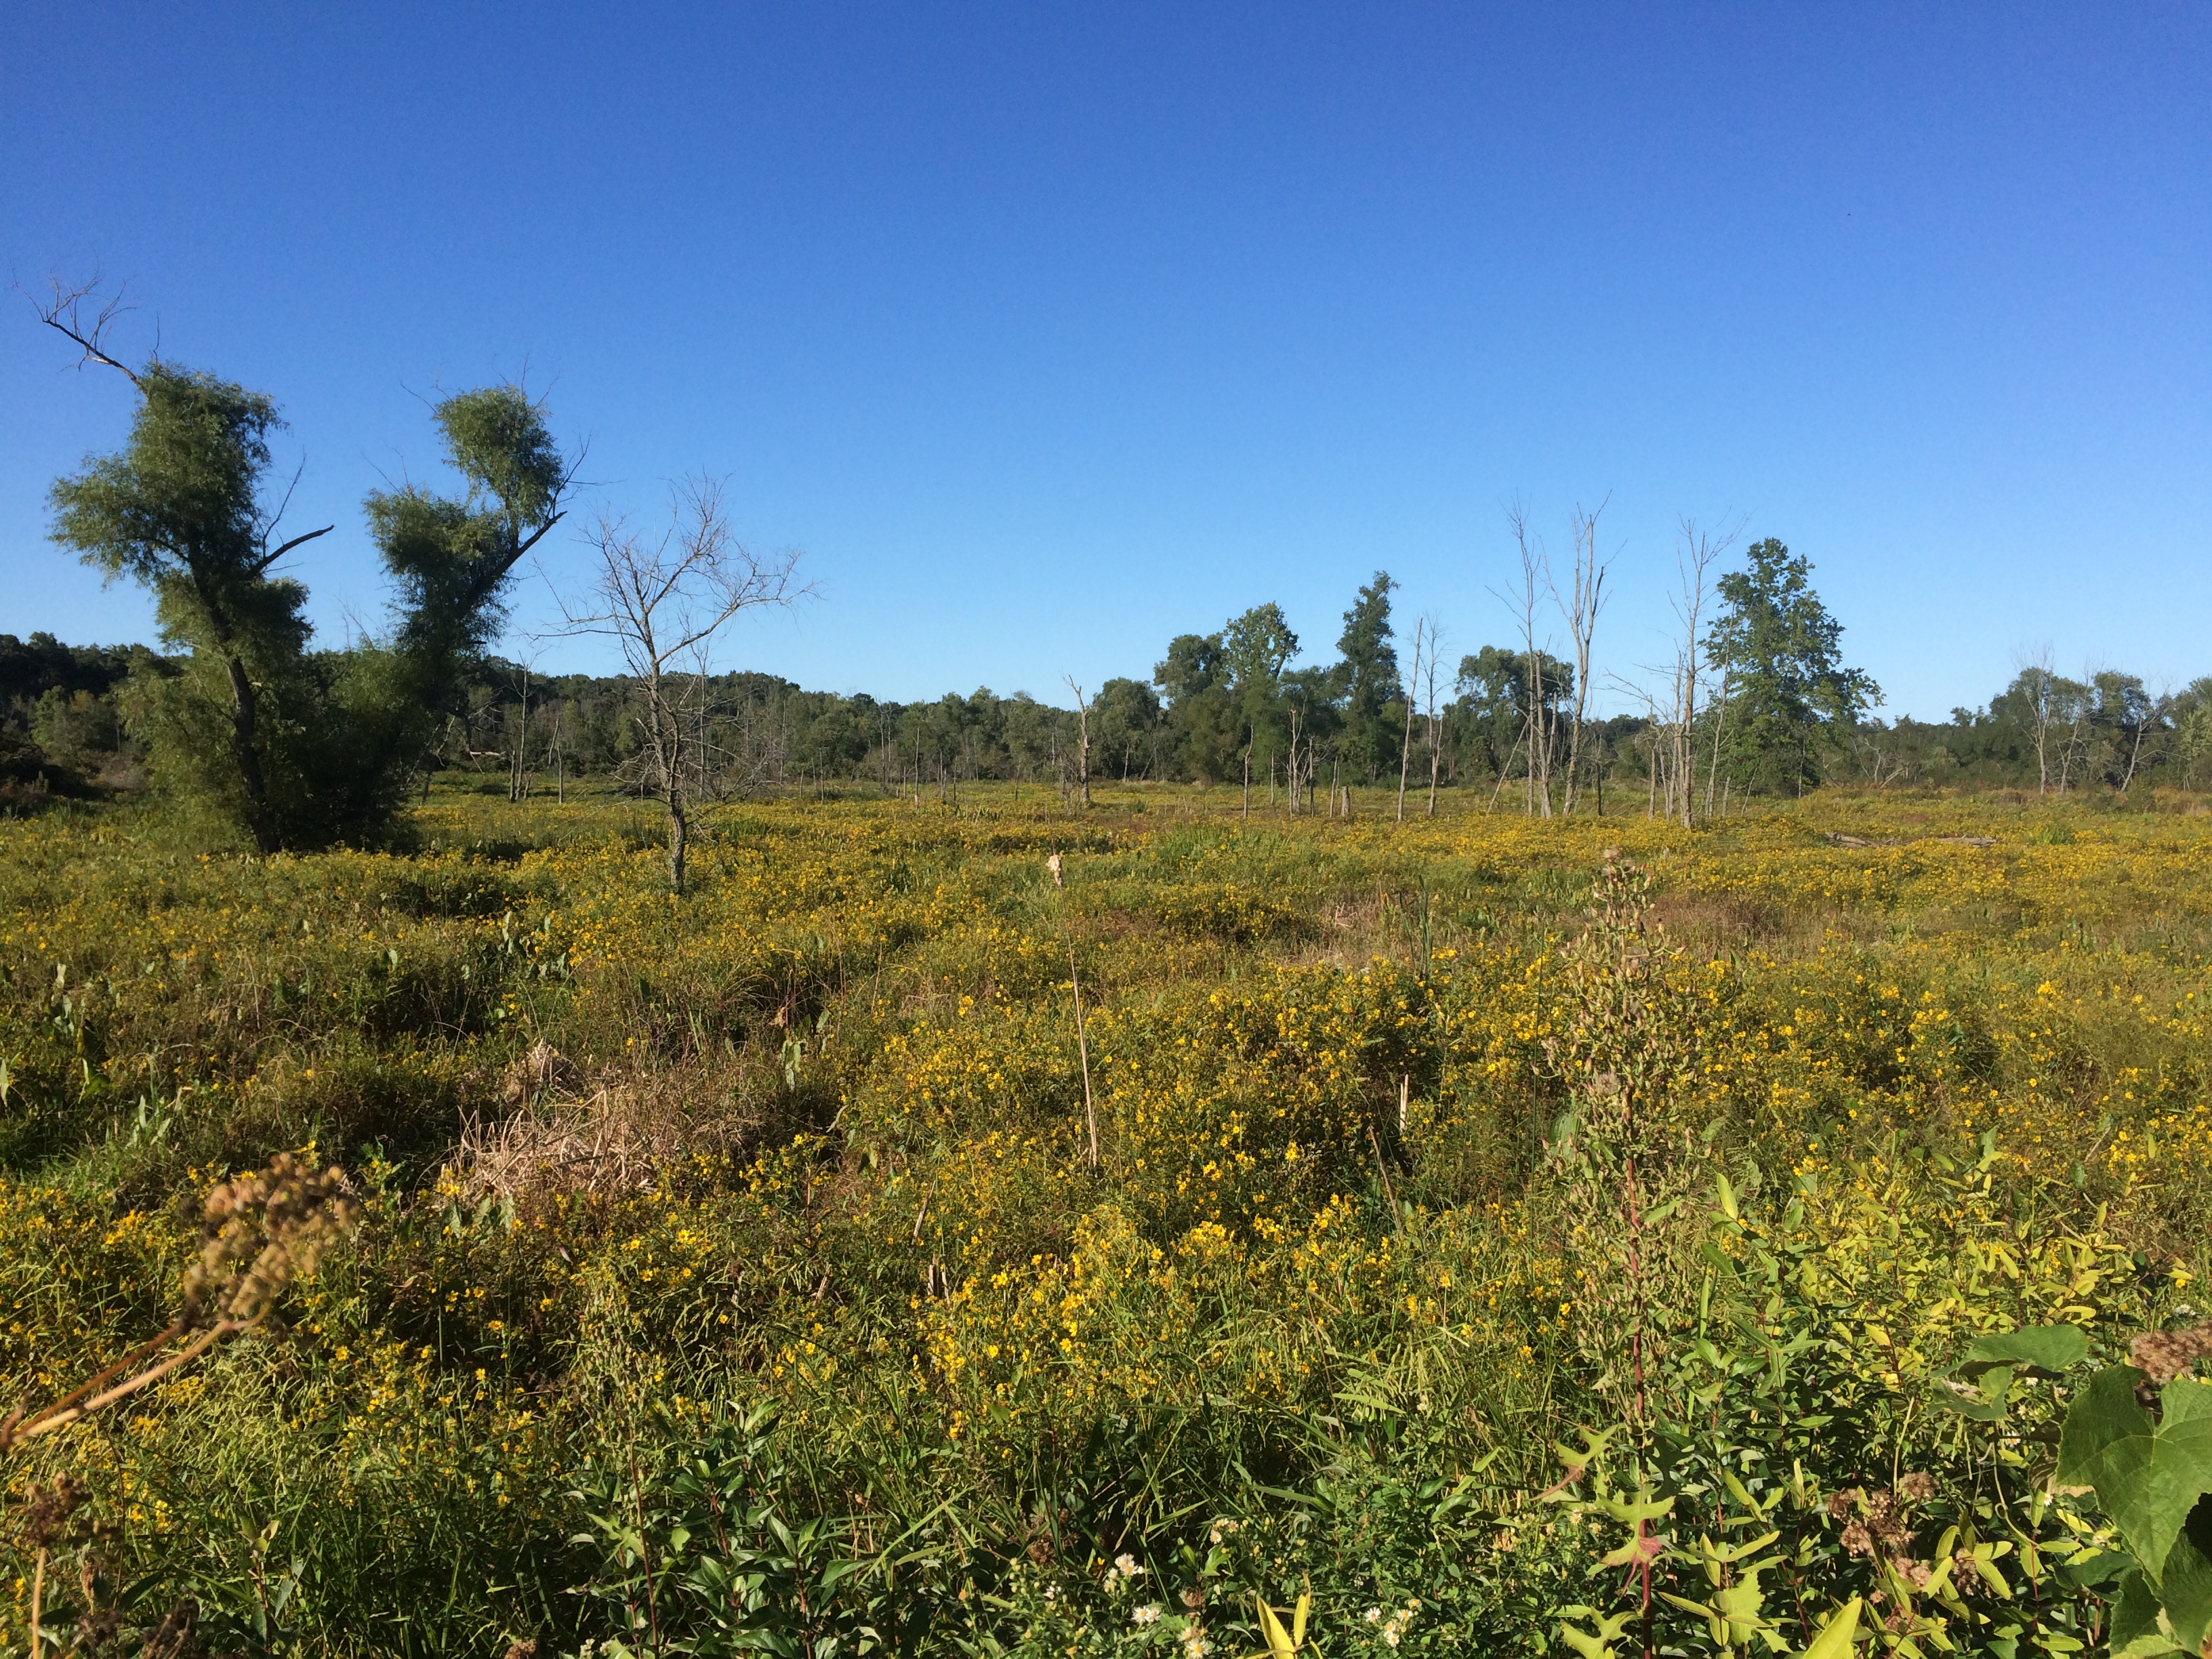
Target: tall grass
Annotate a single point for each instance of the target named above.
(791, 1181)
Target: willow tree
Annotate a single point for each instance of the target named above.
(181, 509)
(452, 558)
(291, 748)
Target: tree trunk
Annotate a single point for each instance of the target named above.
(1719, 727)
(679, 830)
(245, 713)
(1083, 753)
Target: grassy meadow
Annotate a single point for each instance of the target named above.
(735, 1273)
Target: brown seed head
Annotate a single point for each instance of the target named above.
(1886, 1516)
(261, 1232)
(46, 1509)
(2162, 1356)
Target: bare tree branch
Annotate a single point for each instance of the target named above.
(1579, 609)
(663, 599)
(63, 310)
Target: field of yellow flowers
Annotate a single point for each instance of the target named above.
(743, 1271)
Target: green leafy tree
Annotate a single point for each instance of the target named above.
(1313, 701)
(2193, 732)
(1126, 727)
(1369, 677)
(1790, 696)
(180, 509)
(1256, 648)
(1204, 735)
(452, 558)
(1490, 721)
(290, 747)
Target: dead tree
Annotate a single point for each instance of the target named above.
(1436, 733)
(1082, 742)
(1405, 746)
(1578, 608)
(1537, 723)
(664, 598)
(1699, 552)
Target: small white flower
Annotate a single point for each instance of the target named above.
(1148, 1614)
(1391, 1636)
(1373, 1614)
(1128, 1565)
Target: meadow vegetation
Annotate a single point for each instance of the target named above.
(1585, 1234)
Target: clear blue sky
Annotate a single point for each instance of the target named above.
(1050, 332)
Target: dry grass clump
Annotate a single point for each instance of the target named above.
(615, 1138)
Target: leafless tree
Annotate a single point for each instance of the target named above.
(1880, 764)
(1720, 728)
(521, 776)
(1436, 732)
(1656, 738)
(1082, 741)
(1578, 607)
(2151, 722)
(2075, 701)
(1699, 552)
(663, 597)
(1412, 697)
(1536, 725)
(2040, 681)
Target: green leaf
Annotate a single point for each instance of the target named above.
(2047, 1347)
(2185, 1587)
(2147, 1476)
(1834, 1641)
(2136, 1634)
(1599, 1645)
(2095, 1567)
(1996, 1383)
(1643, 1507)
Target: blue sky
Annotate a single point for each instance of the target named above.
(1048, 332)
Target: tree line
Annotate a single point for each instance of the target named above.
(243, 719)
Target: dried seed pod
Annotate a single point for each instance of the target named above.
(2162, 1356)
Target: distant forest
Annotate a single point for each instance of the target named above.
(61, 721)
(270, 740)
